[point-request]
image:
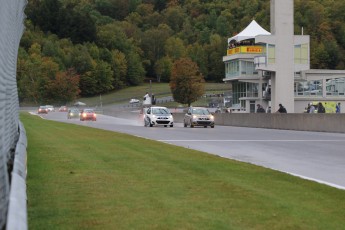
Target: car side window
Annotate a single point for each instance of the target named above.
(148, 111)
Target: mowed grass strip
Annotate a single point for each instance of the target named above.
(85, 178)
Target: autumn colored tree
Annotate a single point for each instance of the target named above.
(186, 82)
(34, 72)
(64, 88)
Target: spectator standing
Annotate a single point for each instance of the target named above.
(147, 99)
(260, 109)
(311, 108)
(337, 108)
(146, 96)
(269, 109)
(281, 109)
(320, 108)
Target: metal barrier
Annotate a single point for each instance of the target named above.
(11, 30)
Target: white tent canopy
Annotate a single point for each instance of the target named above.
(252, 30)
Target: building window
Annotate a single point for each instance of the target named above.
(308, 88)
(335, 87)
(301, 53)
(243, 89)
(232, 69)
(271, 54)
(248, 68)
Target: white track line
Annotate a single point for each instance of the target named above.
(252, 140)
(316, 180)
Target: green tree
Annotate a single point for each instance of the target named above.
(119, 67)
(198, 54)
(88, 84)
(112, 36)
(103, 76)
(45, 14)
(215, 51)
(320, 57)
(174, 48)
(224, 25)
(152, 43)
(186, 82)
(81, 59)
(163, 69)
(136, 71)
(174, 17)
(117, 9)
(78, 26)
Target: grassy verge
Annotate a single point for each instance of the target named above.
(84, 178)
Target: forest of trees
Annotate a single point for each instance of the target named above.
(87, 47)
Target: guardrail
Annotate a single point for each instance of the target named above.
(17, 211)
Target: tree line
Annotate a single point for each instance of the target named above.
(74, 48)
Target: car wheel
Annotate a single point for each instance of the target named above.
(165, 126)
(149, 121)
(205, 126)
(212, 126)
(171, 126)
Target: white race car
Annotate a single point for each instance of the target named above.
(158, 116)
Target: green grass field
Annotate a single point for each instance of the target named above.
(159, 89)
(84, 178)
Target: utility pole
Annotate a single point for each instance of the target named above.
(100, 99)
(150, 88)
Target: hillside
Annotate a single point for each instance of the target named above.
(84, 48)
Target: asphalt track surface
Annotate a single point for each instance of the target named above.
(316, 156)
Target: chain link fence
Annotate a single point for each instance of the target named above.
(11, 30)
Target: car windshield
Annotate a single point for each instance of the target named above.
(160, 111)
(88, 111)
(201, 111)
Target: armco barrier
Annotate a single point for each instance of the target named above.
(17, 211)
(290, 121)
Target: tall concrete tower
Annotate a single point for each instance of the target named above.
(282, 29)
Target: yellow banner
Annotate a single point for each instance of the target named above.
(329, 106)
(245, 49)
